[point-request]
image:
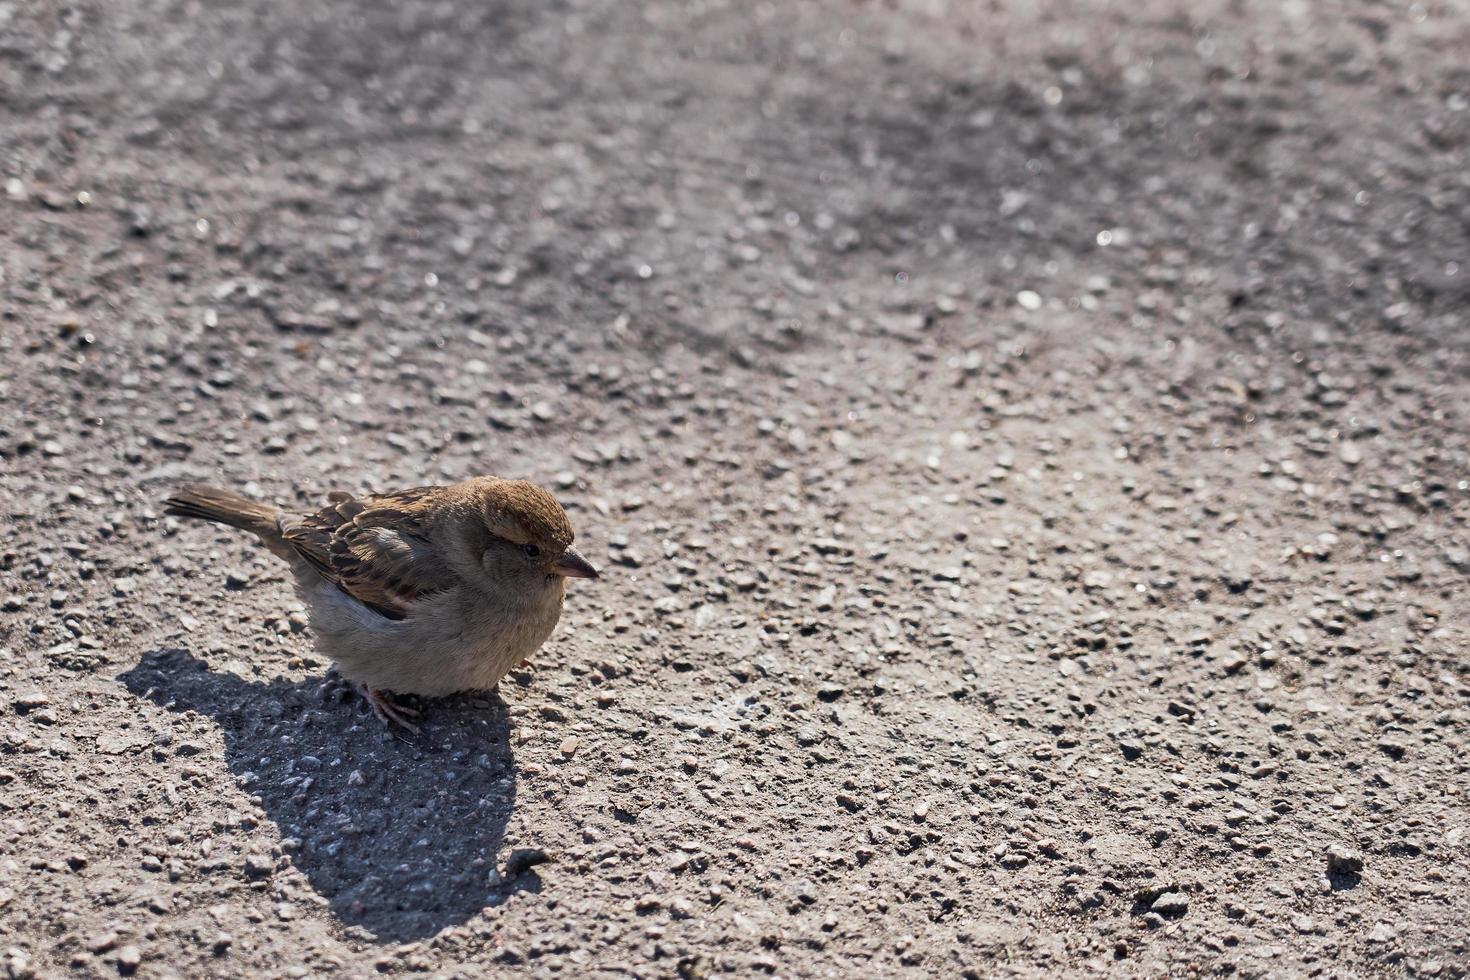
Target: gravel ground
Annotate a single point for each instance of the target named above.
(1028, 449)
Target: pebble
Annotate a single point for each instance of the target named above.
(569, 746)
(1343, 860)
(522, 859)
(1392, 749)
(129, 958)
(17, 964)
(1382, 933)
(259, 866)
(29, 702)
(1170, 903)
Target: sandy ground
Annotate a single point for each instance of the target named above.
(1028, 450)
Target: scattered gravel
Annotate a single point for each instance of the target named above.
(1027, 446)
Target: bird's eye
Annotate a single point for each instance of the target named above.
(530, 551)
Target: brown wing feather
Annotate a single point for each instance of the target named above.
(370, 548)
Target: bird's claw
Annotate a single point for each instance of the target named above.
(388, 711)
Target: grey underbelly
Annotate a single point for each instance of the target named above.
(435, 653)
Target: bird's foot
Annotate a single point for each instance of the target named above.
(388, 711)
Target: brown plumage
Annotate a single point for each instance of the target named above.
(342, 543)
(428, 590)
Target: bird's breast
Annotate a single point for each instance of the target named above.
(449, 642)
(498, 638)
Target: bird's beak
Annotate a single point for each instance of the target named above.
(573, 565)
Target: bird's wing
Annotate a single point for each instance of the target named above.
(373, 548)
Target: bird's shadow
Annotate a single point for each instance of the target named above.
(399, 835)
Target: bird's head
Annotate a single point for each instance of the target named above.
(528, 539)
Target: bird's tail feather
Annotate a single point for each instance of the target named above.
(223, 507)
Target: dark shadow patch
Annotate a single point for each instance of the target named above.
(400, 835)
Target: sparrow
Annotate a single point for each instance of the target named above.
(425, 591)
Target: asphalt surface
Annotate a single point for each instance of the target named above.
(1026, 444)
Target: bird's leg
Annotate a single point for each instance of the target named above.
(388, 711)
